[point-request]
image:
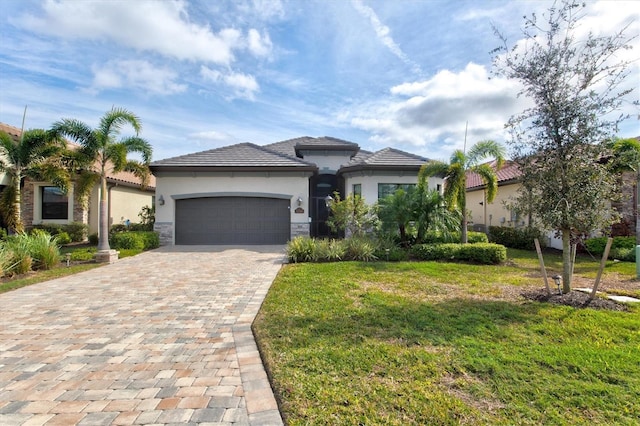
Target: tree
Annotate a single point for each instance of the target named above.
(396, 211)
(559, 141)
(101, 153)
(351, 214)
(38, 155)
(455, 174)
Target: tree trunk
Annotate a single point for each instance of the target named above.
(18, 226)
(566, 261)
(103, 235)
(463, 225)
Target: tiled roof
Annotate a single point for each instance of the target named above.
(387, 159)
(125, 178)
(238, 156)
(507, 173)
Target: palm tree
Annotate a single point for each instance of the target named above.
(455, 174)
(38, 154)
(100, 153)
(396, 211)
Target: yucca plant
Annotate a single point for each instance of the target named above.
(361, 249)
(330, 250)
(302, 249)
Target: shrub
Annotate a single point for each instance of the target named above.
(518, 238)
(485, 253)
(301, 249)
(43, 249)
(3, 235)
(93, 239)
(77, 231)
(622, 248)
(83, 255)
(18, 256)
(127, 240)
(454, 237)
(477, 237)
(361, 249)
(330, 250)
(63, 238)
(151, 239)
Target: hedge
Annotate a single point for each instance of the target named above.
(139, 240)
(518, 238)
(622, 248)
(438, 238)
(484, 253)
(77, 231)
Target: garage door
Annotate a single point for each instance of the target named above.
(232, 220)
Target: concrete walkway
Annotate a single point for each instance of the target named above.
(160, 338)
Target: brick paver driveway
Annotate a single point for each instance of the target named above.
(160, 338)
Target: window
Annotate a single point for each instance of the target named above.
(55, 203)
(357, 189)
(386, 189)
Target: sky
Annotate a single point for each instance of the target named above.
(411, 75)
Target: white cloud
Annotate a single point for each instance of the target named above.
(433, 113)
(384, 33)
(259, 45)
(162, 27)
(135, 74)
(243, 86)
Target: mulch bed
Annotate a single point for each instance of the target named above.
(576, 299)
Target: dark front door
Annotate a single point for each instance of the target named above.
(321, 187)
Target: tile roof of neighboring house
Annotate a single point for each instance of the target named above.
(240, 156)
(385, 159)
(124, 178)
(509, 172)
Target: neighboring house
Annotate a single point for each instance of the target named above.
(251, 194)
(500, 213)
(44, 203)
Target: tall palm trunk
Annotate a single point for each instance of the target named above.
(103, 236)
(463, 222)
(18, 226)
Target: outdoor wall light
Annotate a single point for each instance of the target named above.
(161, 200)
(327, 200)
(299, 201)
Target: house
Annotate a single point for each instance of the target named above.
(44, 203)
(501, 213)
(251, 194)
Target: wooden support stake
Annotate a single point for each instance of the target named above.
(603, 262)
(542, 268)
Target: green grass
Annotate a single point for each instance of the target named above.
(441, 343)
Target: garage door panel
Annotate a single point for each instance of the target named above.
(232, 220)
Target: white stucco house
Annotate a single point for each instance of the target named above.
(251, 194)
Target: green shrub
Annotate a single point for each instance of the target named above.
(301, 249)
(83, 255)
(151, 239)
(93, 239)
(473, 237)
(518, 238)
(622, 248)
(43, 249)
(63, 238)
(127, 240)
(477, 237)
(330, 250)
(77, 231)
(485, 253)
(16, 248)
(3, 235)
(360, 248)
(118, 227)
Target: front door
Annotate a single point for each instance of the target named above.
(323, 186)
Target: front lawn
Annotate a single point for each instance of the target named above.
(442, 343)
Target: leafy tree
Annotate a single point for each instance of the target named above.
(101, 152)
(455, 174)
(351, 214)
(559, 141)
(396, 211)
(432, 214)
(38, 155)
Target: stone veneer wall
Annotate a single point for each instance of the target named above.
(298, 229)
(165, 230)
(27, 201)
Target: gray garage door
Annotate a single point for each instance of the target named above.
(232, 220)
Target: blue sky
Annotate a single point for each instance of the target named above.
(204, 74)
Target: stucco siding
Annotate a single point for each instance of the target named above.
(126, 204)
(494, 213)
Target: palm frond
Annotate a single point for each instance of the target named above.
(139, 145)
(489, 178)
(112, 122)
(486, 149)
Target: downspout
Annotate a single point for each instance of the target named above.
(109, 187)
